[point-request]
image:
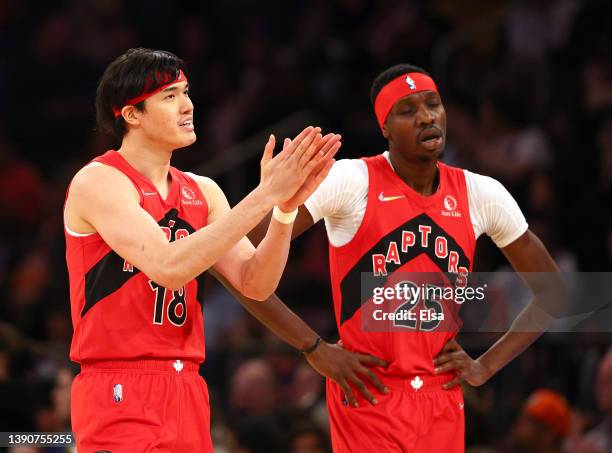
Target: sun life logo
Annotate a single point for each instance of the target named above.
(189, 197)
(188, 193)
(450, 207)
(450, 203)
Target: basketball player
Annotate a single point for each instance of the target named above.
(405, 211)
(138, 233)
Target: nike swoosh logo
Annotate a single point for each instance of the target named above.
(149, 193)
(381, 197)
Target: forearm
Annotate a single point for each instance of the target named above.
(263, 271)
(196, 253)
(539, 271)
(530, 323)
(276, 316)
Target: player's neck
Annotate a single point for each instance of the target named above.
(152, 161)
(420, 176)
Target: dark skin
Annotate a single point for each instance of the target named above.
(411, 121)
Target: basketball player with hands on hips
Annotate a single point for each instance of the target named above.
(404, 211)
(138, 234)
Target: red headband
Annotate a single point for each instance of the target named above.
(147, 94)
(403, 85)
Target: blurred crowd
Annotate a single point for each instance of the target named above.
(527, 86)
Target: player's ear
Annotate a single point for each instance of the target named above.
(385, 132)
(130, 115)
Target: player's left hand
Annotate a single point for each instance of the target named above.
(454, 358)
(328, 147)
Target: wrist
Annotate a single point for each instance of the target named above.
(489, 368)
(283, 216)
(286, 207)
(263, 196)
(311, 346)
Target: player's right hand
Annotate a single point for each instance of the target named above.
(347, 369)
(283, 174)
(328, 147)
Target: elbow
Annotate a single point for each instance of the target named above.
(259, 294)
(172, 281)
(255, 284)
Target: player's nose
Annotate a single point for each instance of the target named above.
(186, 105)
(424, 115)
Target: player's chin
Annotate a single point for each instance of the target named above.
(430, 153)
(187, 138)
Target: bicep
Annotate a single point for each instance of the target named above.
(108, 201)
(341, 191)
(528, 254)
(494, 211)
(533, 263)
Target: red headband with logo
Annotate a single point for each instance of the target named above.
(147, 94)
(404, 85)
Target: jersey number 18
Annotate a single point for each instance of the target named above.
(176, 309)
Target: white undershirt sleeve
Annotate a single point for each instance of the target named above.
(341, 200)
(493, 210)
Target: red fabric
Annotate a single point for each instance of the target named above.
(399, 87)
(392, 208)
(430, 420)
(147, 94)
(159, 410)
(121, 324)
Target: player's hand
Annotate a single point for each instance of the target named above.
(283, 174)
(345, 367)
(454, 358)
(328, 147)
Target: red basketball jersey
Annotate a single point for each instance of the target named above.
(118, 312)
(402, 231)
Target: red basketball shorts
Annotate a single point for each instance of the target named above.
(141, 406)
(417, 415)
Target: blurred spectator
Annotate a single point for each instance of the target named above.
(253, 389)
(257, 435)
(510, 148)
(309, 439)
(307, 387)
(535, 27)
(542, 425)
(599, 439)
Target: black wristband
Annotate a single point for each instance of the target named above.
(313, 347)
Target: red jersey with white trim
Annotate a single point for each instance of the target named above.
(118, 312)
(408, 239)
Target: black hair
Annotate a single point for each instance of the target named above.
(136, 71)
(389, 74)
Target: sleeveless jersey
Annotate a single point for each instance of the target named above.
(410, 239)
(118, 313)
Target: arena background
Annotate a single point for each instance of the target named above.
(528, 90)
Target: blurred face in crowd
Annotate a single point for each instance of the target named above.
(167, 118)
(416, 127)
(532, 435)
(253, 389)
(308, 442)
(604, 384)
